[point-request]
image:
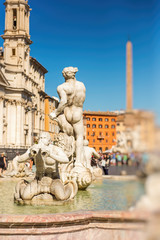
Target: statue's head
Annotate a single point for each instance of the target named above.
(69, 72)
(45, 138)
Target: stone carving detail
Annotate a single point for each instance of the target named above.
(67, 143)
(68, 157)
(69, 116)
(22, 171)
(121, 145)
(89, 152)
(69, 113)
(128, 141)
(47, 188)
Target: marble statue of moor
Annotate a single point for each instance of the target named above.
(47, 157)
(51, 154)
(69, 113)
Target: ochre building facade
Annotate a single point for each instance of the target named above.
(100, 129)
(51, 126)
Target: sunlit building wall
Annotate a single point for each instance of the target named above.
(22, 82)
(51, 126)
(100, 129)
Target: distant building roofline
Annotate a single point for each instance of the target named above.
(107, 113)
(53, 98)
(34, 60)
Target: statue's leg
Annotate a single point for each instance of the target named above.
(79, 132)
(64, 125)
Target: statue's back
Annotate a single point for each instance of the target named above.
(79, 94)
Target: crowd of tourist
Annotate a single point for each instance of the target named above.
(106, 160)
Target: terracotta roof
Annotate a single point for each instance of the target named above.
(99, 113)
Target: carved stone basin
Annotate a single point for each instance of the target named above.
(103, 194)
(84, 217)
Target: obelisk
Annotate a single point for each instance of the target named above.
(129, 100)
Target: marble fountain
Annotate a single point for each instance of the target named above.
(67, 198)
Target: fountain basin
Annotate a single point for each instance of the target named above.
(104, 194)
(82, 225)
(85, 217)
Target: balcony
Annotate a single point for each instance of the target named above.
(100, 137)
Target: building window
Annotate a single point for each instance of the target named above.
(94, 126)
(106, 119)
(88, 119)
(88, 125)
(93, 140)
(106, 140)
(14, 19)
(100, 119)
(106, 134)
(100, 140)
(13, 52)
(88, 133)
(88, 140)
(113, 134)
(113, 126)
(106, 148)
(106, 126)
(100, 126)
(93, 134)
(100, 134)
(93, 119)
(100, 149)
(113, 120)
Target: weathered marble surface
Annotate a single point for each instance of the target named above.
(69, 113)
(69, 116)
(46, 188)
(22, 171)
(88, 153)
(68, 157)
(151, 200)
(79, 225)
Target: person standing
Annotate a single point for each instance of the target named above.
(103, 164)
(124, 159)
(108, 159)
(2, 163)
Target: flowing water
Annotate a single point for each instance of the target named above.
(103, 194)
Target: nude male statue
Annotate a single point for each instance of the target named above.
(70, 110)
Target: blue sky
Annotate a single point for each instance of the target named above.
(92, 36)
